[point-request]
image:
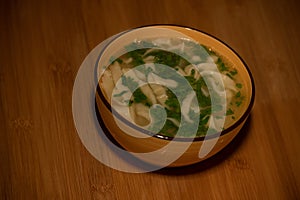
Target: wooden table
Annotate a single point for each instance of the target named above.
(43, 44)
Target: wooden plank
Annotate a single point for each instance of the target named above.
(42, 45)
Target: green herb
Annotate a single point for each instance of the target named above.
(229, 112)
(229, 75)
(192, 81)
(192, 72)
(174, 106)
(238, 103)
(238, 94)
(169, 129)
(221, 65)
(172, 102)
(166, 58)
(174, 114)
(119, 60)
(130, 102)
(139, 96)
(204, 120)
(233, 72)
(239, 85)
(137, 57)
(203, 100)
(204, 113)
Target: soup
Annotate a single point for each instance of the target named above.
(199, 65)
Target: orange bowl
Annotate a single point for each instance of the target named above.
(181, 151)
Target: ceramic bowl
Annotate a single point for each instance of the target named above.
(136, 141)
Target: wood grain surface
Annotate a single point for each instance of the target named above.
(42, 45)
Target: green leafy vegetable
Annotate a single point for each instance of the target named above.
(166, 58)
(139, 96)
(229, 75)
(221, 65)
(119, 60)
(229, 112)
(238, 103)
(238, 94)
(169, 129)
(233, 72)
(137, 57)
(203, 100)
(239, 85)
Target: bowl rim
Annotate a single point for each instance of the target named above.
(160, 136)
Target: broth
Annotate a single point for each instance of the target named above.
(196, 63)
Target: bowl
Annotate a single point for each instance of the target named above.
(152, 146)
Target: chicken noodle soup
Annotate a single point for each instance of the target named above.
(200, 65)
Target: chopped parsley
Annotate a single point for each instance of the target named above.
(169, 129)
(238, 94)
(119, 60)
(221, 65)
(233, 72)
(229, 75)
(239, 85)
(137, 57)
(238, 103)
(139, 96)
(229, 112)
